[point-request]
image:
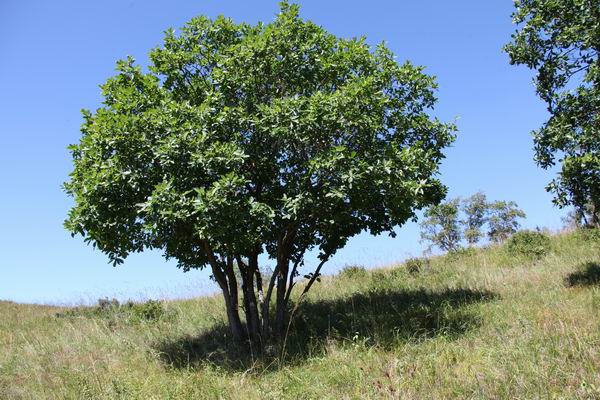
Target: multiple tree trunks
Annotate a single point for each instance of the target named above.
(259, 328)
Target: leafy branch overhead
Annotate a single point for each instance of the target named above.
(560, 40)
(245, 140)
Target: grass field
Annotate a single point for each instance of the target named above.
(478, 324)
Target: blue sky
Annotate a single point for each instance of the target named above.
(53, 56)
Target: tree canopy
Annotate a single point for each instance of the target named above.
(561, 41)
(245, 140)
(503, 220)
(446, 224)
(441, 226)
(476, 210)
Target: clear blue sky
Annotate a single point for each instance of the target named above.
(54, 54)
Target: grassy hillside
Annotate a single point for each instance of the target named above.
(481, 324)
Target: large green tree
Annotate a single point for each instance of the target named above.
(242, 141)
(560, 39)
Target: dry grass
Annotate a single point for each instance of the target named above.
(484, 324)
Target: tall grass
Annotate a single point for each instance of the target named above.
(483, 323)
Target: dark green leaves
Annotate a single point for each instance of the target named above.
(277, 137)
(561, 41)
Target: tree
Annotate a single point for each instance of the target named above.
(578, 217)
(476, 209)
(242, 141)
(441, 225)
(561, 41)
(503, 220)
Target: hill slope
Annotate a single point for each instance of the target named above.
(481, 324)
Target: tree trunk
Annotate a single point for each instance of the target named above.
(229, 289)
(231, 304)
(595, 215)
(266, 316)
(233, 317)
(250, 306)
(281, 306)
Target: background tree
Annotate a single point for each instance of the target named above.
(503, 220)
(475, 209)
(245, 140)
(561, 41)
(441, 226)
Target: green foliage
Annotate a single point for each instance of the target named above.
(353, 271)
(476, 209)
(503, 220)
(532, 244)
(441, 226)
(444, 224)
(462, 253)
(589, 235)
(151, 310)
(560, 40)
(242, 140)
(238, 134)
(415, 265)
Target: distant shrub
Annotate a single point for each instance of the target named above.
(529, 243)
(353, 271)
(106, 305)
(398, 272)
(589, 234)
(380, 280)
(462, 252)
(415, 265)
(151, 310)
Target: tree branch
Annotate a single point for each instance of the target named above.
(291, 283)
(314, 277)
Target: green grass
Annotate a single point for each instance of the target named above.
(476, 324)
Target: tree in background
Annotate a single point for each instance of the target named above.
(243, 141)
(476, 210)
(561, 41)
(445, 226)
(503, 220)
(441, 226)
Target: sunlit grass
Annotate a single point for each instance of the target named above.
(480, 324)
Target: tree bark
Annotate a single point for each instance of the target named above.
(233, 317)
(231, 305)
(266, 316)
(281, 305)
(250, 305)
(229, 294)
(595, 216)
